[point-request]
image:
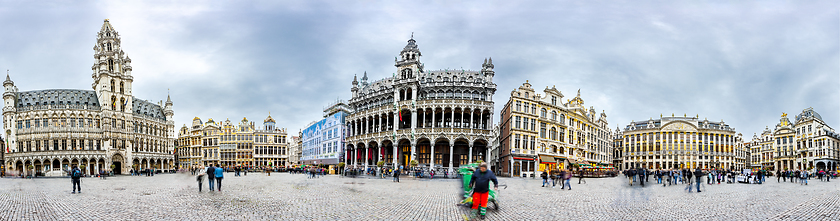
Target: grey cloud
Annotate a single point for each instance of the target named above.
(743, 62)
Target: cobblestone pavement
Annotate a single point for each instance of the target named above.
(294, 197)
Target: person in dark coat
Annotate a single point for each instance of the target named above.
(480, 181)
(641, 172)
(211, 174)
(76, 178)
(698, 174)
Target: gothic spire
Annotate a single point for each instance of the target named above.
(8, 80)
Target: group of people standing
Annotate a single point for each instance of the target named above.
(674, 176)
(801, 175)
(141, 171)
(563, 177)
(214, 175)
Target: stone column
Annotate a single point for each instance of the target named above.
(367, 154)
(379, 148)
(451, 151)
(396, 120)
(396, 157)
(432, 161)
(413, 151)
(413, 119)
(452, 119)
(433, 117)
(414, 93)
(469, 160)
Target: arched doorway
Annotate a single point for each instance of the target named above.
(404, 152)
(424, 152)
(442, 152)
(19, 167)
(461, 152)
(373, 153)
(387, 149)
(479, 151)
(117, 161)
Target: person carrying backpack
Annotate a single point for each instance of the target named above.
(76, 178)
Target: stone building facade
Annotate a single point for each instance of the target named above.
(226, 144)
(539, 132)
(806, 144)
(439, 118)
(54, 129)
(683, 142)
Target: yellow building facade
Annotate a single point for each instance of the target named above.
(229, 145)
(682, 142)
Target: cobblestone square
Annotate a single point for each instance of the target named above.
(283, 196)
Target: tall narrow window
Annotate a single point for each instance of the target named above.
(111, 65)
(122, 88)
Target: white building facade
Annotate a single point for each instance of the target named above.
(438, 119)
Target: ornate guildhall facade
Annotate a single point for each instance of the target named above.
(439, 118)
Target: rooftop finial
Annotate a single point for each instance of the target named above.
(412, 35)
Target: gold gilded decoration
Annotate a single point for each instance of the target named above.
(784, 114)
(679, 126)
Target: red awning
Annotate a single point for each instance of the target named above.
(523, 158)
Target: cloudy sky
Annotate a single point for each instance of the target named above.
(744, 62)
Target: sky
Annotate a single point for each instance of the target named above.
(744, 62)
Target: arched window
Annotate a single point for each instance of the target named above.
(553, 115)
(122, 104)
(542, 113)
(122, 88)
(113, 88)
(109, 46)
(113, 102)
(562, 118)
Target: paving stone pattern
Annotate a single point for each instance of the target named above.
(294, 197)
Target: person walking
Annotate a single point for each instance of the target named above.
(76, 178)
(220, 174)
(236, 170)
(631, 174)
(397, 174)
(561, 177)
(699, 174)
(580, 176)
(778, 175)
(480, 181)
(568, 177)
(199, 178)
(544, 177)
(211, 174)
(687, 179)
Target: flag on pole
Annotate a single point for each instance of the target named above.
(400, 113)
